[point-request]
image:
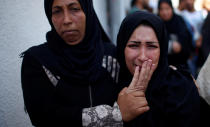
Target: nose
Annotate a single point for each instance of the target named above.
(67, 19)
(142, 54)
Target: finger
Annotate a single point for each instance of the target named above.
(141, 75)
(151, 71)
(147, 76)
(139, 88)
(138, 94)
(148, 68)
(123, 91)
(142, 110)
(140, 101)
(135, 78)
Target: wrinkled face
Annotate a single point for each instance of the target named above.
(165, 11)
(142, 46)
(69, 20)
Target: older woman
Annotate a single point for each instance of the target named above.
(71, 80)
(171, 94)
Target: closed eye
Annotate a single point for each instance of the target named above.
(75, 9)
(132, 45)
(56, 11)
(152, 46)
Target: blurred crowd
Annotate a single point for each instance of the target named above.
(188, 30)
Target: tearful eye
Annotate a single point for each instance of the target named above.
(152, 46)
(132, 45)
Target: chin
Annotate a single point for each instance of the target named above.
(72, 42)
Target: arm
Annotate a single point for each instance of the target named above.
(102, 115)
(39, 98)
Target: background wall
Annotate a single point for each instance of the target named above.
(22, 24)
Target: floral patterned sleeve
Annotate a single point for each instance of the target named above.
(102, 116)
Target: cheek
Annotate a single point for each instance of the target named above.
(154, 56)
(81, 24)
(56, 24)
(129, 60)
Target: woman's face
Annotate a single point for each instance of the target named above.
(69, 20)
(142, 46)
(165, 11)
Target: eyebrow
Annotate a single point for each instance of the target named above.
(138, 42)
(69, 5)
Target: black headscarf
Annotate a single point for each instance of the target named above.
(129, 24)
(172, 96)
(81, 61)
(166, 1)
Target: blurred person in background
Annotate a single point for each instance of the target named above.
(137, 5)
(206, 6)
(181, 5)
(180, 40)
(196, 19)
(205, 47)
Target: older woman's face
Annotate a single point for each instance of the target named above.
(69, 20)
(142, 46)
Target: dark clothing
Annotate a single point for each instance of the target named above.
(205, 48)
(205, 112)
(59, 80)
(177, 27)
(60, 105)
(171, 94)
(178, 31)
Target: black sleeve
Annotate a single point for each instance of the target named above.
(39, 98)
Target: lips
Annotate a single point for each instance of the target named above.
(70, 32)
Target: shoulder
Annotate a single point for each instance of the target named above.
(179, 76)
(180, 90)
(34, 55)
(31, 51)
(35, 50)
(180, 82)
(109, 49)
